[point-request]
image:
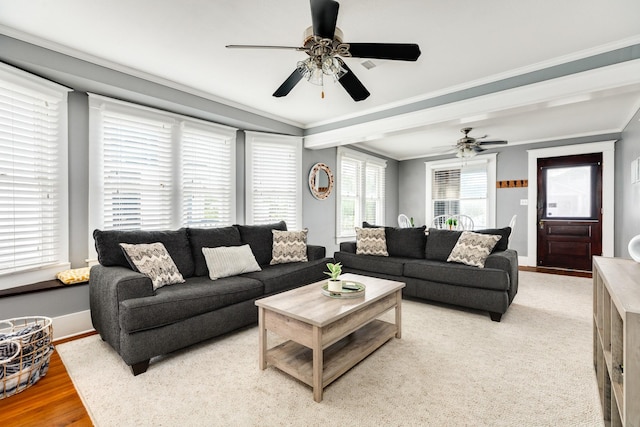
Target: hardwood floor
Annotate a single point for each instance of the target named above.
(52, 401)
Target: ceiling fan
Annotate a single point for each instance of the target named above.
(468, 146)
(323, 43)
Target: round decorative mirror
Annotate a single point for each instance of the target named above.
(320, 181)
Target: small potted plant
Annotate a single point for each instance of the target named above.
(452, 223)
(335, 270)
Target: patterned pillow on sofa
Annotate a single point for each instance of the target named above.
(473, 248)
(153, 260)
(289, 246)
(371, 241)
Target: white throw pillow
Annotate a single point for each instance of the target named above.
(153, 260)
(473, 248)
(225, 261)
(289, 246)
(371, 241)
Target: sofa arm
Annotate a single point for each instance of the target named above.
(315, 252)
(348, 247)
(507, 261)
(108, 286)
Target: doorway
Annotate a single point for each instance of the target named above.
(569, 211)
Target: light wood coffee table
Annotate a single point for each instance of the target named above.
(327, 336)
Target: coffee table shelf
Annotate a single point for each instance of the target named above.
(297, 360)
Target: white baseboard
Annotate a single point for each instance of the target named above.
(526, 261)
(72, 324)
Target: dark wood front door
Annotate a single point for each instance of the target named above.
(569, 211)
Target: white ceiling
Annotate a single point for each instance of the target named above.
(464, 44)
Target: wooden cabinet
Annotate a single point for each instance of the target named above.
(616, 338)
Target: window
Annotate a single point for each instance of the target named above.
(360, 191)
(274, 179)
(153, 170)
(467, 189)
(33, 178)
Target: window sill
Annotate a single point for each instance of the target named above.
(37, 287)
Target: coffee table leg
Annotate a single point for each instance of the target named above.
(262, 340)
(399, 314)
(317, 364)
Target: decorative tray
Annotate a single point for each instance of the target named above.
(345, 293)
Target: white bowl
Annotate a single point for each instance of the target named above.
(634, 248)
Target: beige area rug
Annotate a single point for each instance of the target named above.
(452, 367)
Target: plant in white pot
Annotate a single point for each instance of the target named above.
(335, 270)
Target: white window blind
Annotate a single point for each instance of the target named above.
(274, 179)
(137, 172)
(154, 170)
(33, 177)
(208, 190)
(463, 189)
(361, 191)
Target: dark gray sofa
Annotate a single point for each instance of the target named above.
(420, 260)
(140, 323)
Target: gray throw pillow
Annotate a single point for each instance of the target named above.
(440, 243)
(176, 242)
(210, 238)
(260, 238)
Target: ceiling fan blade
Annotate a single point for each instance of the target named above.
(258, 46)
(395, 51)
(496, 142)
(324, 16)
(478, 149)
(352, 85)
(289, 84)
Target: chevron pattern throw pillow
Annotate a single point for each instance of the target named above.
(473, 248)
(289, 246)
(153, 260)
(371, 241)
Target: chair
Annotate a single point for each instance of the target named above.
(465, 222)
(403, 221)
(439, 222)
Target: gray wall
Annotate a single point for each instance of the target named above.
(627, 195)
(511, 163)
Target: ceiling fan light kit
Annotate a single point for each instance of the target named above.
(323, 43)
(468, 146)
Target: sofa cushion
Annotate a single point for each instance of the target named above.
(403, 242)
(406, 242)
(385, 265)
(176, 242)
(504, 233)
(260, 238)
(198, 295)
(280, 277)
(457, 274)
(210, 238)
(473, 248)
(153, 260)
(440, 243)
(225, 261)
(371, 241)
(289, 246)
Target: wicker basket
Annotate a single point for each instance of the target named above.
(25, 351)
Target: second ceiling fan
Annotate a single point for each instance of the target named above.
(324, 45)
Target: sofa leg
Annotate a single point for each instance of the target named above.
(140, 367)
(495, 316)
